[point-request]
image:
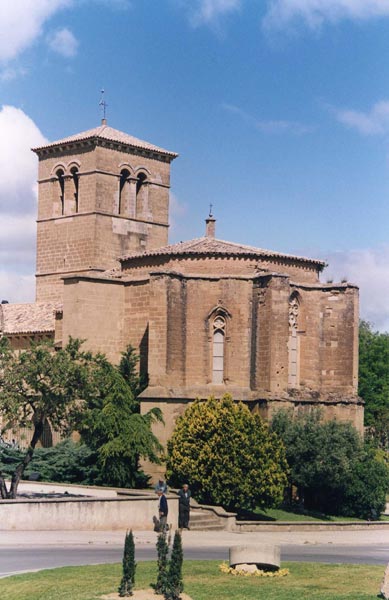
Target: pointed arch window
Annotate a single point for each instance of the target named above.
(218, 349)
(294, 342)
(61, 181)
(75, 178)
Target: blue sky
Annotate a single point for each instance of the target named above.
(279, 110)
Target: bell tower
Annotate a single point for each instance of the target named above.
(102, 194)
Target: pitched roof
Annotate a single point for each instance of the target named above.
(104, 132)
(214, 247)
(28, 318)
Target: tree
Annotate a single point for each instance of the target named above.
(162, 563)
(329, 464)
(42, 385)
(114, 429)
(129, 565)
(174, 585)
(228, 454)
(128, 369)
(374, 381)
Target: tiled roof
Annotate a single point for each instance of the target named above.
(28, 318)
(212, 246)
(104, 132)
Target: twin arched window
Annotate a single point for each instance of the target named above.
(132, 194)
(74, 176)
(61, 182)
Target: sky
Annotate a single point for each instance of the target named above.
(279, 110)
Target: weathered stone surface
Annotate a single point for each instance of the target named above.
(247, 568)
(385, 584)
(260, 555)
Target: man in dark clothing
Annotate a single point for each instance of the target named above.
(184, 507)
(163, 510)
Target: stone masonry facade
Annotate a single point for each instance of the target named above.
(206, 316)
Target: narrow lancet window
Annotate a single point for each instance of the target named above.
(124, 176)
(140, 191)
(61, 181)
(75, 177)
(219, 331)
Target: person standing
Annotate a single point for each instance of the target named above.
(162, 510)
(184, 496)
(161, 485)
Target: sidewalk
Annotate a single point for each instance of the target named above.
(194, 539)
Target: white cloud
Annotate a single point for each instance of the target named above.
(63, 42)
(272, 126)
(21, 22)
(369, 269)
(209, 12)
(374, 122)
(314, 13)
(18, 194)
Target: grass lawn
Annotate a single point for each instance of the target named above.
(203, 581)
(280, 514)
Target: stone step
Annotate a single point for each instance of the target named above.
(204, 521)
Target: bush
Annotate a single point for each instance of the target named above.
(129, 565)
(228, 454)
(331, 467)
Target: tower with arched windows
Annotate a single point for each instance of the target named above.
(102, 194)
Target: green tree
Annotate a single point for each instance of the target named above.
(174, 585)
(128, 369)
(374, 381)
(329, 463)
(228, 454)
(41, 385)
(120, 436)
(162, 563)
(129, 565)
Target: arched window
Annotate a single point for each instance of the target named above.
(75, 177)
(218, 337)
(294, 342)
(61, 180)
(140, 194)
(124, 175)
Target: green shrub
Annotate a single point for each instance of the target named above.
(129, 565)
(228, 454)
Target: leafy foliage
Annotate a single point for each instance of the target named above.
(113, 428)
(334, 471)
(128, 369)
(228, 454)
(41, 385)
(129, 565)
(374, 381)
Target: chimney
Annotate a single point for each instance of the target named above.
(210, 225)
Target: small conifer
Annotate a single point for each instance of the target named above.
(162, 562)
(174, 585)
(129, 566)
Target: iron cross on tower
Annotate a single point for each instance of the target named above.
(103, 106)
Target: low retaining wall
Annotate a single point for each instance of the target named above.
(83, 513)
(252, 526)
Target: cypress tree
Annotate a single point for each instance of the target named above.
(162, 550)
(174, 576)
(129, 566)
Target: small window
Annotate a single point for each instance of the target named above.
(61, 181)
(219, 327)
(75, 177)
(294, 342)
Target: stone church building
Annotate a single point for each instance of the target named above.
(207, 316)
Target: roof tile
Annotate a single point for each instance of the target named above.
(28, 318)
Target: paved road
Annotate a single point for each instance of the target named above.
(14, 559)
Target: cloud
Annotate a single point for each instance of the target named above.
(369, 269)
(270, 127)
(375, 122)
(18, 195)
(21, 22)
(209, 12)
(63, 42)
(314, 13)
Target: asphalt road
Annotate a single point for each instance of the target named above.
(19, 559)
